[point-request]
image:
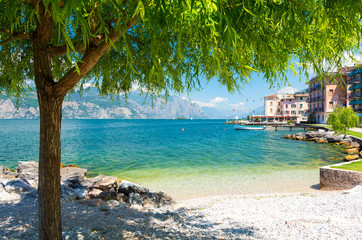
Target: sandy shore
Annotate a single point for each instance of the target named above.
(319, 215)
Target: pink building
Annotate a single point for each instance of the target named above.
(325, 95)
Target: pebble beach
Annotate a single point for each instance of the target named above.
(317, 215)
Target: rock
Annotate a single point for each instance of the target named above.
(322, 140)
(72, 172)
(108, 195)
(321, 130)
(91, 202)
(18, 186)
(287, 136)
(127, 187)
(349, 147)
(351, 150)
(334, 138)
(71, 165)
(82, 192)
(68, 194)
(299, 138)
(351, 157)
(314, 134)
(300, 134)
(27, 170)
(105, 183)
(155, 199)
(134, 199)
(94, 193)
(360, 153)
(355, 144)
(61, 165)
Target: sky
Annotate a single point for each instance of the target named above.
(215, 99)
(218, 100)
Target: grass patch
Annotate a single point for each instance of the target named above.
(354, 166)
(353, 133)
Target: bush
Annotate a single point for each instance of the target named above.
(342, 118)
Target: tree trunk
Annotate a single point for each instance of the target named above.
(49, 167)
(50, 107)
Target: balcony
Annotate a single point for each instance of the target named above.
(320, 109)
(355, 95)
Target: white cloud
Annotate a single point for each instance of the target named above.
(218, 100)
(237, 106)
(287, 90)
(212, 102)
(348, 60)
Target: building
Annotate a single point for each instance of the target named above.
(294, 107)
(326, 94)
(282, 108)
(355, 90)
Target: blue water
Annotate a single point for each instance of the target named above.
(159, 154)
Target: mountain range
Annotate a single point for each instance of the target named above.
(91, 106)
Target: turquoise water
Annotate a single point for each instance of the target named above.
(207, 158)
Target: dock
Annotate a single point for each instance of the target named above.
(279, 126)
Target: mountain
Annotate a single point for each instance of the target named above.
(92, 106)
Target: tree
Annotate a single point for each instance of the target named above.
(162, 46)
(342, 118)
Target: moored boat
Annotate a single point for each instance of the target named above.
(249, 127)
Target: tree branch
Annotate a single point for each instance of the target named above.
(13, 35)
(89, 60)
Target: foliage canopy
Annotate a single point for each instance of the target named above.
(168, 45)
(342, 118)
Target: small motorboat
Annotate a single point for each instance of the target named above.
(249, 127)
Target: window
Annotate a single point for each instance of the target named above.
(278, 110)
(293, 112)
(330, 92)
(287, 112)
(286, 105)
(271, 103)
(301, 98)
(278, 103)
(294, 106)
(271, 110)
(298, 112)
(331, 104)
(300, 105)
(322, 118)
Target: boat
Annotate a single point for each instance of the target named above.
(249, 127)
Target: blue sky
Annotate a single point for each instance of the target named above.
(218, 99)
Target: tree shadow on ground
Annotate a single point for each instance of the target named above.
(108, 220)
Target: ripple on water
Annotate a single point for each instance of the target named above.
(203, 159)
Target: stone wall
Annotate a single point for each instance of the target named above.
(339, 179)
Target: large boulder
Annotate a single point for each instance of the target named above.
(27, 170)
(351, 150)
(68, 194)
(105, 183)
(72, 172)
(134, 199)
(18, 186)
(300, 135)
(127, 187)
(158, 199)
(334, 138)
(355, 144)
(351, 157)
(314, 134)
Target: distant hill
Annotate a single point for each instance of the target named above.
(91, 106)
